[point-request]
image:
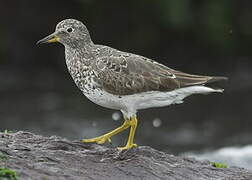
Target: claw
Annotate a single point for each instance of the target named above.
(127, 147)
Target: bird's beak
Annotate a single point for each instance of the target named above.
(49, 39)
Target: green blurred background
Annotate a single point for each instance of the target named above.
(195, 36)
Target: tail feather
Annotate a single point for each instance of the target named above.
(217, 79)
(186, 80)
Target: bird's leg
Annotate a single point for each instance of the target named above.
(106, 137)
(130, 142)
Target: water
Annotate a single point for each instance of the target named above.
(232, 156)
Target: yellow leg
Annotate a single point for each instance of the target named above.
(130, 142)
(106, 137)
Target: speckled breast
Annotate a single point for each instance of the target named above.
(84, 77)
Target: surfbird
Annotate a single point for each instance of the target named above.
(123, 81)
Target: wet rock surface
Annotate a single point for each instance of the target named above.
(38, 157)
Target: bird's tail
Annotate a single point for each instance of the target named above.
(186, 80)
(217, 79)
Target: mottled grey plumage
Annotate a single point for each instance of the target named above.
(114, 71)
(120, 80)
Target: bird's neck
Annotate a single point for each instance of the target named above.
(83, 55)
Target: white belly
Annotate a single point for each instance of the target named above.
(129, 104)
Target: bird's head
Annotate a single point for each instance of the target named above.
(69, 32)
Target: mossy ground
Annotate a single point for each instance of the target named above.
(6, 131)
(219, 165)
(3, 156)
(7, 174)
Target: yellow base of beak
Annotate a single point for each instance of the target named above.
(55, 39)
(49, 39)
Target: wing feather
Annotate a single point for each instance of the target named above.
(122, 73)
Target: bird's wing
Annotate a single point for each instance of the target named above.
(123, 73)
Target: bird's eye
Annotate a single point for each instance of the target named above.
(69, 30)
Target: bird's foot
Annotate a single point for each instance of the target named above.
(98, 140)
(106, 137)
(128, 146)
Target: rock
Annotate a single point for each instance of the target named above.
(50, 158)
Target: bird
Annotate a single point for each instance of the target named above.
(123, 81)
